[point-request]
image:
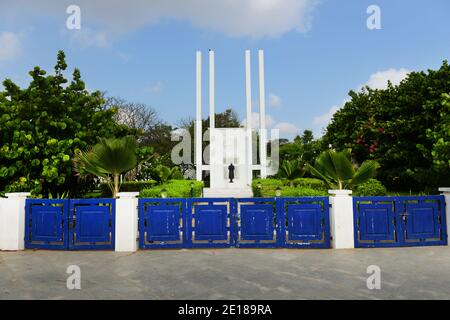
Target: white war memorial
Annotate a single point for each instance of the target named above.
(234, 155)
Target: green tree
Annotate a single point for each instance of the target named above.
(304, 148)
(338, 171)
(108, 159)
(404, 128)
(42, 126)
(290, 170)
(440, 137)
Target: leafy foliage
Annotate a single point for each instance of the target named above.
(42, 126)
(371, 188)
(304, 148)
(290, 170)
(338, 171)
(268, 187)
(174, 189)
(108, 159)
(405, 127)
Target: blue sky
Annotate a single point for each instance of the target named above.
(144, 51)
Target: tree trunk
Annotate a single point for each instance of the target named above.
(116, 185)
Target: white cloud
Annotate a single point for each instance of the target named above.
(86, 37)
(379, 80)
(157, 87)
(324, 119)
(274, 100)
(10, 45)
(235, 18)
(286, 129)
(255, 120)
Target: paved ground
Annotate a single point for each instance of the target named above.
(406, 273)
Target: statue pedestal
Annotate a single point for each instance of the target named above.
(245, 192)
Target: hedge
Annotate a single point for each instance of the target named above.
(370, 188)
(269, 187)
(311, 183)
(128, 186)
(174, 189)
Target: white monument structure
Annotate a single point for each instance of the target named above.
(236, 146)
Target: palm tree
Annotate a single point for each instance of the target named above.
(108, 159)
(337, 169)
(290, 170)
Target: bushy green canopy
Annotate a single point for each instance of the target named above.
(405, 128)
(42, 126)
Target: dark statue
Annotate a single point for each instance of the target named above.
(231, 172)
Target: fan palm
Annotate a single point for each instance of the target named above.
(337, 169)
(108, 159)
(290, 170)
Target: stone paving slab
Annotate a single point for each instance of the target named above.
(406, 273)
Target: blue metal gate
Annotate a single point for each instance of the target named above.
(70, 224)
(305, 222)
(399, 221)
(162, 223)
(210, 223)
(227, 222)
(257, 223)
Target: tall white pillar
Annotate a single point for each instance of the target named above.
(341, 219)
(248, 96)
(262, 116)
(12, 221)
(212, 112)
(126, 222)
(446, 193)
(198, 121)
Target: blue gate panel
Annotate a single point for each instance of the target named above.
(211, 222)
(92, 224)
(305, 222)
(422, 221)
(47, 224)
(163, 223)
(257, 222)
(376, 222)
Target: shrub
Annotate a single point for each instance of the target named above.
(128, 186)
(371, 188)
(174, 189)
(269, 187)
(312, 183)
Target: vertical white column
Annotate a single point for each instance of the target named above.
(198, 121)
(248, 96)
(126, 222)
(262, 116)
(341, 219)
(212, 111)
(12, 221)
(446, 194)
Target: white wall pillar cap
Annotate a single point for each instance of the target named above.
(126, 195)
(19, 195)
(340, 192)
(445, 190)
